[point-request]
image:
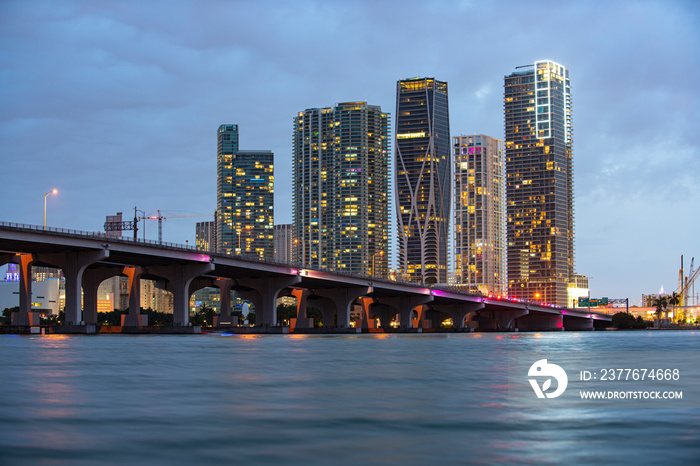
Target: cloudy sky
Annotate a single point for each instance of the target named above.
(116, 104)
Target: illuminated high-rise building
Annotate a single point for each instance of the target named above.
(422, 167)
(204, 236)
(341, 187)
(539, 182)
(480, 214)
(245, 197)
(226, 147)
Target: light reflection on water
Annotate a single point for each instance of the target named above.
(375, 398)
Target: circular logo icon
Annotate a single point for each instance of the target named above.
(542, 368)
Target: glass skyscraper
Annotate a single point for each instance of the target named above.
(245, 197)
(341, 184)
(422, 168)
(539, 182)
(480, 214)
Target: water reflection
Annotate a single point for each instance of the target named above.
(315, 399)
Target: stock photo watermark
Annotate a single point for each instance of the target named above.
(605, 379)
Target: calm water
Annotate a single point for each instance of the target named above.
(411, 399)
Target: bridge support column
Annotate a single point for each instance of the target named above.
(384, 312)
(133, 318)
(25, 290)
(365, 321)
(263, 292)
(459, 312)
(224, 285)
(180, 277)
(343, 299)
(541, 322)
(73, 265)
(92, 278)
(578, 323)
(505, 319)
(302, 321)
(420, 321)
(404, 306)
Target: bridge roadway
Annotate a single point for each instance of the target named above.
(87, 259)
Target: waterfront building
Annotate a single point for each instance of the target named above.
(205, 241)
(422, 169)
(539, 182)
(283, 242)
(578, 288)
(245, 197)
(341, 187)
(41, 273)
(45, 294)
(204, 236)
(649, 300)
(480, 214)
(116, 291)
(209, 297)
(155, 298)
(106, 303)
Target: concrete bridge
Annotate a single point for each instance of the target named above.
(87, 259)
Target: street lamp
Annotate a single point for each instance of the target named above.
(539, 295)
(54, 191)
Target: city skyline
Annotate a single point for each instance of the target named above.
(111, 87)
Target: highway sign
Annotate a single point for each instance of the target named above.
(592, 302)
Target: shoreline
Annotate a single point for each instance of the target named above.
(195, 330)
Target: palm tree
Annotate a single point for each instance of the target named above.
(661, 303)
(674, 300)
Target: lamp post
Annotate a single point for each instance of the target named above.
(381, 253)
(54, 191)
(539, 295)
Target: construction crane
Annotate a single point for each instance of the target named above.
(680, 282)
(160, 219)
(688, 284)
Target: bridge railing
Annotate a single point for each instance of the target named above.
(95, 235)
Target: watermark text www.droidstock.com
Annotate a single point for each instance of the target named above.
(629, 379)
(631, 395)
